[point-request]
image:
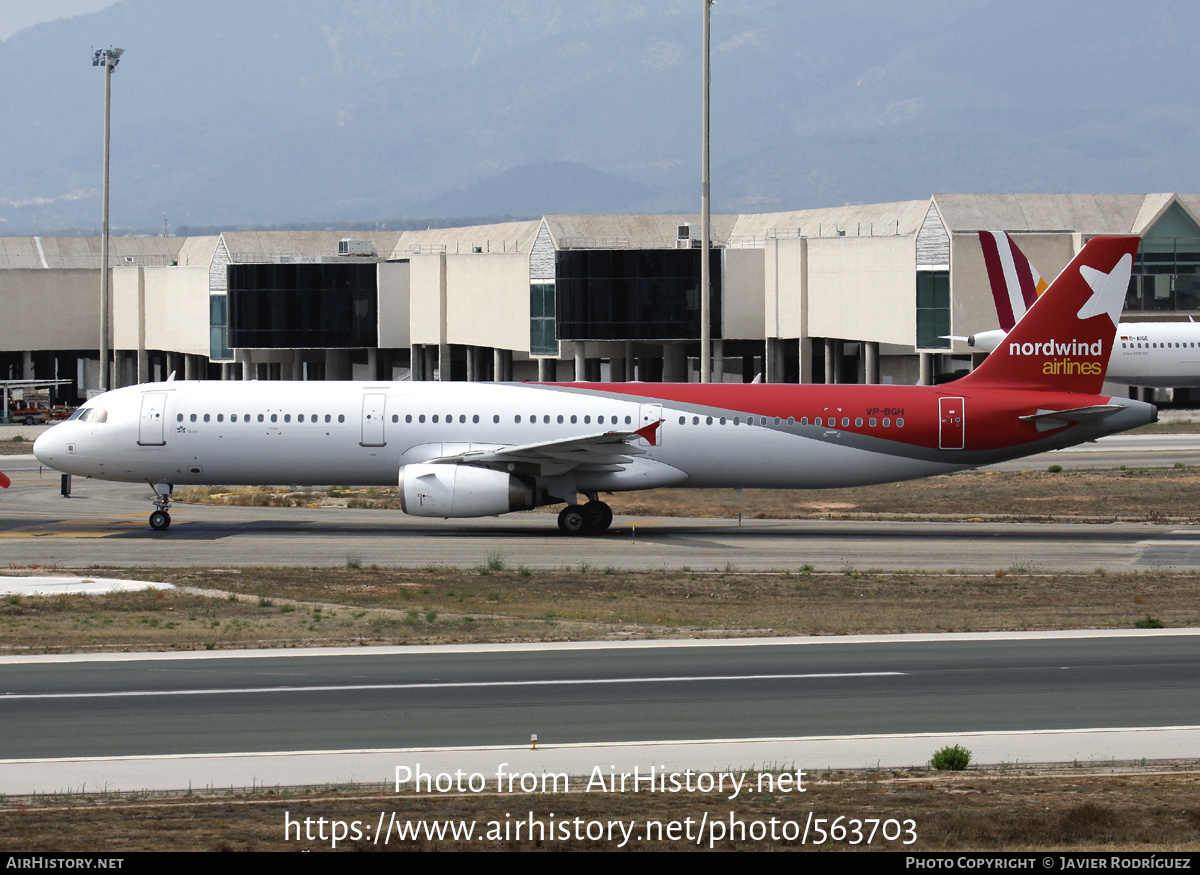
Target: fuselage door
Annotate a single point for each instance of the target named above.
(650, 414)
(372, 420)
(152, 426)
(952, 433)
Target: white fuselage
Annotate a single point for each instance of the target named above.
(313, 433)
(310, 433)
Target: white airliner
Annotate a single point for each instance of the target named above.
(1159, 354)
(481, 449)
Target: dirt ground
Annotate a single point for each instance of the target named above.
(1119, 808)
(293, 607)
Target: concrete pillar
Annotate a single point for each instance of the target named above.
(774, 360)
(806, 360)
(27, 366)
(718, 360)
(547, 370)
(430, 353)
(499, 371)
(247, 363)
(674, 363)
(472, 365)
(226, 369)
(372, 364)
(926, 369)
(337, 364)
(830, 352)
(445, 363)
(416, 361)
(580, 363)
(872, 363)
(189, 368)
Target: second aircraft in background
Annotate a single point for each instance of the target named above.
(1156, 354)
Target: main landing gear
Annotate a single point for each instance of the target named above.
(586, 519)
(160, 520)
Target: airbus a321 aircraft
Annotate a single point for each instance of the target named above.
(1160, 354)
(480, 449)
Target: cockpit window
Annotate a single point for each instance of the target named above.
(91, 414)
(77, 414)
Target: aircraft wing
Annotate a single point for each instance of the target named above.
(605, 451)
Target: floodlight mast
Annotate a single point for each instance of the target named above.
(705, 220)
(107, 58)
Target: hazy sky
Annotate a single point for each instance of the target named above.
(18, 14)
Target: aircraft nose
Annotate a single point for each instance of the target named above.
(46, 447)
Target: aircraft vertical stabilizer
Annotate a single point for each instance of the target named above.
(1066, 340)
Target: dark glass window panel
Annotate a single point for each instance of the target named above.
(300, 306)
(633, 294)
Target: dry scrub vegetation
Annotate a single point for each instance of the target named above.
(1007, 809)
(291, 607)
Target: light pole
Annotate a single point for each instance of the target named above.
(705, 223)
(107, 58)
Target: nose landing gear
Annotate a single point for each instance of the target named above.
(160, 520)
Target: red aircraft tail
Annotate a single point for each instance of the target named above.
(1065, 340)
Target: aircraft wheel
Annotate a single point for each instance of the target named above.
(600, 515)
(160, 520)
(573, 520)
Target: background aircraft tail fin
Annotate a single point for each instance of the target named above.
(1015, 282)
(1066, 340)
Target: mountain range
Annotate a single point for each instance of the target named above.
(305, 111)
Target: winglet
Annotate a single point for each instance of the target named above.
(4, 481)
(650, 432)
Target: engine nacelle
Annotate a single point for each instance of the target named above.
(462, 491)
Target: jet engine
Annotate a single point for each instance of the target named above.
(462, 491)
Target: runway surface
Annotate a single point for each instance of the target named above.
(132, 723)
(1023, 694)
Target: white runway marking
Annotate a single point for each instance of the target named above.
(341, 688)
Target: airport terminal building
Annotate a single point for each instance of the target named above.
(855, 294)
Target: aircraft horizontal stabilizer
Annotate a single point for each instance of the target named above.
(1051, 419)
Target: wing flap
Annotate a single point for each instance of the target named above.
(601, 452)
